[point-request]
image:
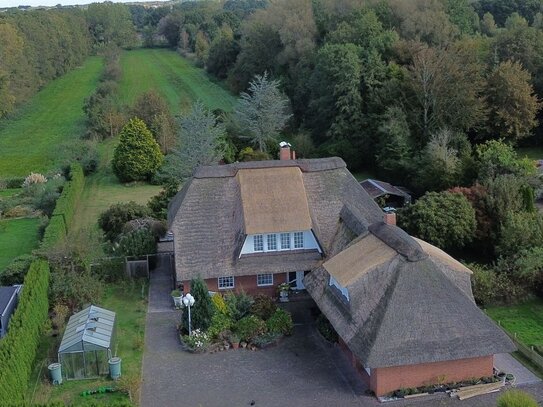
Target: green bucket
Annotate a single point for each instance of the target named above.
(55, 370)
(115, 368)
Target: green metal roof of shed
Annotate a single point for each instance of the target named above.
(89, 329)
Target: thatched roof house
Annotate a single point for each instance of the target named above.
(403, 309)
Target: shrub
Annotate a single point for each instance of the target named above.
(60, 312)
(249, 328)
(326, 329)
(34, 178)
(202, 311)
(280, 322)
(138, 156)
(18, 211)
(266, 339)
(263, 306)
(18, 348)
(158, 204)
(15, 272)
(239, 305)
(113, 220)
(16, 182)
(136, 243)
(197, 340)
(516, 398)
(73, 286)
(219, 304)
(220, 323)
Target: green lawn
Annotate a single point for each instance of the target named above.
(176, 78)
(31, 141)
(526, 320)
(17, 237)
(6, 193)
(124, 299)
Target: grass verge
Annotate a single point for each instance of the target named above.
(17, 237)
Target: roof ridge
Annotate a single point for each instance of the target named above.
(305, 165)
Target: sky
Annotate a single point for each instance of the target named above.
(15, 3)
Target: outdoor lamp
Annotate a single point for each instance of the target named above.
(188, 301)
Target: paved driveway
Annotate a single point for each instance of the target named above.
(302, 370)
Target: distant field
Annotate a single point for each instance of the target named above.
(526, 320)
(17, 237)
(30, 141)
(178, 80)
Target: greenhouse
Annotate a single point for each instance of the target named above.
(86, 345)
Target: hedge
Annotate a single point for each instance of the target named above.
(63, 215)
(18, 348)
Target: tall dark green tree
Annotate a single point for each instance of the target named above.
(202, 310)
(138, 156)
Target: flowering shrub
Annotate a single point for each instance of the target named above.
(197, 340)
(34, 178)
(219, 304)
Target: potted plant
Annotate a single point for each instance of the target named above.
(234, 340)
(177, 298)
(283, 288)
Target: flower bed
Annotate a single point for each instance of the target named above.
(237, 320)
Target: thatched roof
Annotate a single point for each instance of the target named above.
(273, 200)
(408, 302)
(209, 215)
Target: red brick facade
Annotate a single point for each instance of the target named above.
(246, 284)
(387, 379)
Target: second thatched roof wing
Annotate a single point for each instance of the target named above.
(409, 303)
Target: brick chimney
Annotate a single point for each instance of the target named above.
(285, 153)
(390, 218)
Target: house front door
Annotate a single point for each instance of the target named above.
(296, 280)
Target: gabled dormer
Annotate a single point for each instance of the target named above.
(275, 210)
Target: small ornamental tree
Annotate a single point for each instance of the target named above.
(138, 156)
(113, 220)
(202, 310)
(444, 219)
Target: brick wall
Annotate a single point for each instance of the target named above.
(386, 379)
(247, 284)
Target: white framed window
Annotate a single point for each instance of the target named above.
(298, 240)
(225, 283)
(285, 241)
(264, 280)
(258, 243)
(272, 242)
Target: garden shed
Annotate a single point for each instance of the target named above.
(86, 345)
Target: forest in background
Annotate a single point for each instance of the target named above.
(434, 95)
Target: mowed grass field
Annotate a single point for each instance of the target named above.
(32, 141)
(174, 77)
(17, 237)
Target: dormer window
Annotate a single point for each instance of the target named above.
(298, 240)
(272, 242)
(285, 241)
(258, 243)
(280, 242)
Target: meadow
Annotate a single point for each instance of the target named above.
(33, 140)
(174, 77)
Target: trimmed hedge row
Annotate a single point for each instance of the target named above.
(18, 348)
(64, 212)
